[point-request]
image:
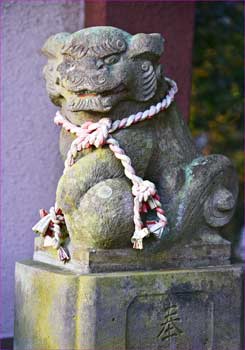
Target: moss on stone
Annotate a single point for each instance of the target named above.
(56, 309)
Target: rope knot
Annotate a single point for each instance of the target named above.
(143, 190)
(95, 134)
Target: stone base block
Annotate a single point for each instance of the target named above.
(208, 250)
(181, 309)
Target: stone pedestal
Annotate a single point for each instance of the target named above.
(178, 309)
(207, 250)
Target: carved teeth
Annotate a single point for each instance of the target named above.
(86, 93)
(90, 93)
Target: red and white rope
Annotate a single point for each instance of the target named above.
(99, 134)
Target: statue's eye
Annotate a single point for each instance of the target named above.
(112, 59)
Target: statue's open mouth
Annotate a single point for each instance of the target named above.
(92, 100)
(88, 93)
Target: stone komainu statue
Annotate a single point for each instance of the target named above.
(105, 72)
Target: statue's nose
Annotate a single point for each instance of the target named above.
(92, 63)
(99, 63)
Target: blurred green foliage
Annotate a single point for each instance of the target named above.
(217, 87)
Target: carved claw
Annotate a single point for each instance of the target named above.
(219, 207)
(225, 200)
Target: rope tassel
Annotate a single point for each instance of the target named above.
(145, 195)
(42, 225)
(137, 238)
(49, 227)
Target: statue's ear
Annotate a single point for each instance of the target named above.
(150, 45)
(54, 44)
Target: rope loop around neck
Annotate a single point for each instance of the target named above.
(144, 192)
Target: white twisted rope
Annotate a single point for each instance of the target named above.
(98, 134)
(50, 228)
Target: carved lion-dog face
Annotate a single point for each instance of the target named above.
(96, 68)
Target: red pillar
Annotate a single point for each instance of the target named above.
(174, 20)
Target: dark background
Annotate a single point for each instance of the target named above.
(216, 112)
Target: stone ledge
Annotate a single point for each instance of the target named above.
(198, 253)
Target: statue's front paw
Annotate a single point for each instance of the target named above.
(104, 216)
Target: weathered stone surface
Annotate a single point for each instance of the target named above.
(191, 309)
(104, 71)
(206, 251)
